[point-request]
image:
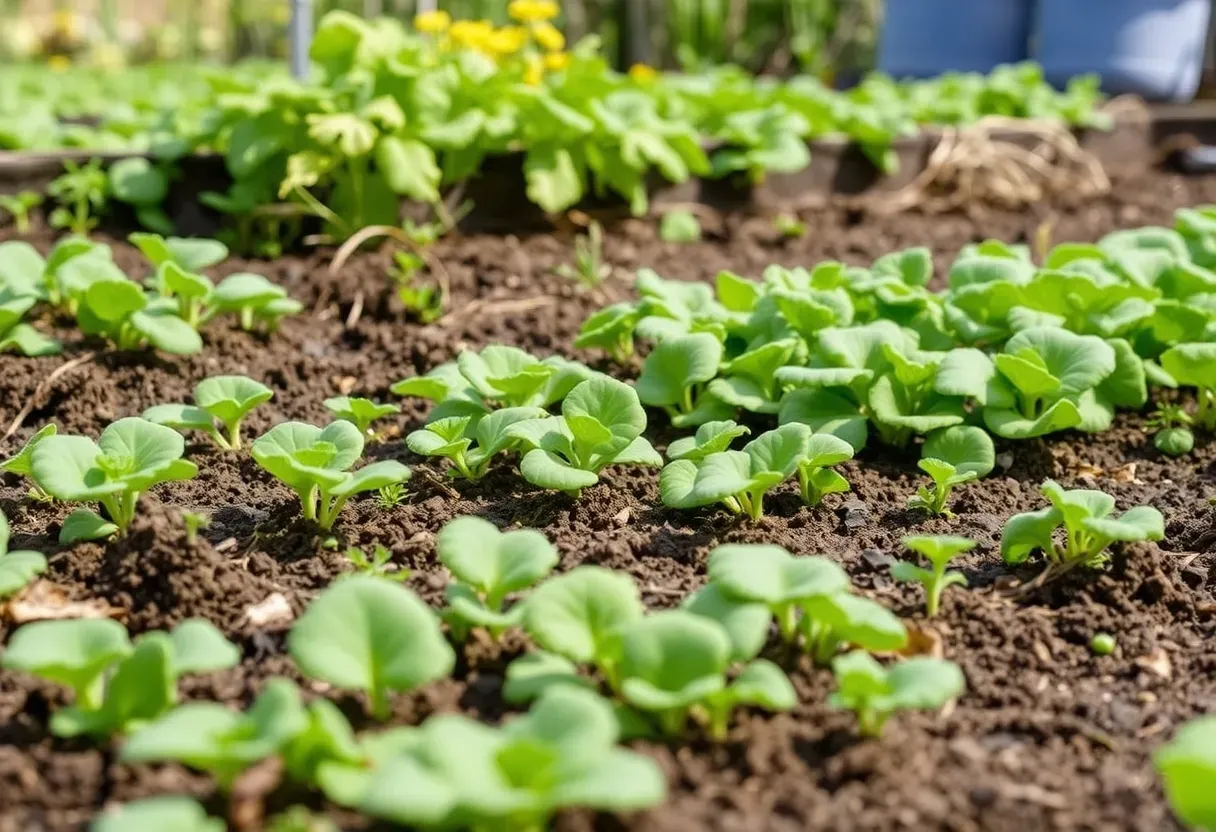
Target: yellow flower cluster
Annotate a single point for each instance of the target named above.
(532, 11)
(643, 73)
(433, 23)
(534, 38)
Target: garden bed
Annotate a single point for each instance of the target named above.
(1047, 736)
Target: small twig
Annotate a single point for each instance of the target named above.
(448, 491)
(356, 310)
(664, 592)
(501, 307)
(42, 388)
(397, 235)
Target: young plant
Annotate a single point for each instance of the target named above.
(578, 615)
(1089, 528)
(359, 412)
(19, 336)
(131, 456)
(1194, 365)
(680, 227)
(951, 457)
(370, 635)
(674, 663)
(488, 566)
(874, 693)
(19, 207)
(16, 568)
(157, 814)
(589, 268)
(938, 551)
(427, 302)
(471, 445)
(314, 463)
(378, 565)
(737, 479)
(815, 474)
(710, 438)
(1187, 765)
(193, 523)
(674, 376)
(1171, 430)
(82, 192)
(789, 226)
(19, 463)
(611, 330)
(191, 254)
(122, 312)
(390, 496)
(601, 425)
(513, 378)
(253, 299)
(226, 399)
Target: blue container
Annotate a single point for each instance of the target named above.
(1153, 48)
(923, 38)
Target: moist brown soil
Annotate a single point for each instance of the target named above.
(1047, 736)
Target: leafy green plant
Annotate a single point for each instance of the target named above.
(19, 206)
(938, 551)
(359, 411)
(1187, 765)
(679, 227)
(1089, 527)
(610, 329)
(156, 814)
(426, 301)
(226, 399)
(20, 462)
(16, 568)
(113, 307)
(193, 522)
(370, 635)
(1171, 432)
(117, 685)
(875, 693)
(254, 300)
(737, 479)
(1195, 366)
(710, 438)
(674, 663)
(82, 191)
(488, 566)
(789, 226)
(815, 474)
(469, 444)
(314, 463)
(190, 254)
(674, 377)
(379, 564)
(951, 457)
(589, 269)
(601, 425)
(511, 377)
(390, 496)
(19, 336)
(131, 456)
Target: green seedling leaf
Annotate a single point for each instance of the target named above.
(72, 653)
(610, 329)
(815, 475)
(675, 373)
(230, 399)
(16, 568)
(141, 687)
(830, 621)
(938, 551)
(826, 412)
(1192, 365)
(746, 622)
(952, 457)
(192, 254)
(359, 412)
(874, 693)
(529, 676)
(198, 647)
(20, 462)
(1187, 765)
(370, 635)
(679, 227)
(157, 814)
(711, 438)
(83, 525)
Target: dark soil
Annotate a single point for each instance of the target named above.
(1048, 736)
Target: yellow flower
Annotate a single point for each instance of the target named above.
(471, 33)
(432, 23)
(643, 73)
(64, 23)
(506, 41)
(59, 63)
(557, 61)
(535, 73)
(549, 36)
(532, 11)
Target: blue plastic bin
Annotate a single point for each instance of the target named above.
(923, 38)
(1153, 48)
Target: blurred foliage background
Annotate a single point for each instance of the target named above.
(828, 38)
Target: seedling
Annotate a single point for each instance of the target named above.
(815, 474)
(1187, 766)
(119, 310)
(300, 819)
(390, 496)
(16, 568)
(674, 376)
(710, 438)
(131, 456)
(253, 299)
(610, 329)
(193, 523)
(601, 425)
(533, 673)
(680, 227)
(15, 335)
(378, 565)
(226, 399)
(471, 445)
(938, 551)
(156, 814)
(951, 457)
(1102, 644)
(1172, 434)
(513, 378)
(426, 301)
(19, 207)
(673, 665)
(750, 380)
(1195, 366)
(313, 462)
(192, 254)
(789, 226)
(589, 268)
(359, 412)
(370, 635)
(578, 615)
(874, 693)
(1089, 528)
(737, 479)
(82, 192)
(19, 463)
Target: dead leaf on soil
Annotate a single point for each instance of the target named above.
(247, 798)
(923, 641)
(1126, 473)
(45, 601)
(345, 384)
(1157, 662)
(273, 611)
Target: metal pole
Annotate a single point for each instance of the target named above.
(301, 37)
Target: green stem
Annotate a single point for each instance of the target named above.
(671, 721)
(787, 622)
(234, 435)
(308, 502)
(933, 594)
